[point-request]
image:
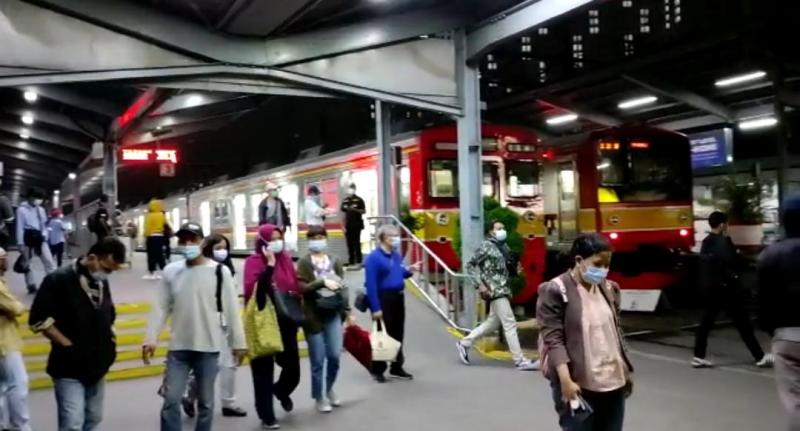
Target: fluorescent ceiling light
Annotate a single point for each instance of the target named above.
(31, 96)
(25, 134)
(738, 79)
(194, 100)
(561, 119)
(758, 123)
(27, 118)
(72, 175)
(639, 101)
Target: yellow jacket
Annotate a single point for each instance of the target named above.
(10, 309)
(154, 221)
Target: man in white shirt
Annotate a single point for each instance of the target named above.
(313, 208)
(198, 295)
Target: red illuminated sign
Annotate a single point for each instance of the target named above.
(640, 145)
(149, 155)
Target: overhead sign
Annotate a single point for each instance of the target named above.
(712, 148)
(161, 155)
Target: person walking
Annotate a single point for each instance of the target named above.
(155, 228)
(489, 267)
(197, 296)
(778, 297)
(385, 278)
(327, 305)
(75, 311)
(722, 289)
(218, 248)
(354, 209)
(13, 376)
(272, 269)
(314, 208)
(581, 344)
(99, 222)
(32, 234)
(272, 210)
(56, 235)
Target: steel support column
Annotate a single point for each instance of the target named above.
(110, 177)
(470, 199)
(782, 141)
(383, 123)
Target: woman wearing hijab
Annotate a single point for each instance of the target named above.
(271, 267)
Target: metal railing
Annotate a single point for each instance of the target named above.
(440, 286)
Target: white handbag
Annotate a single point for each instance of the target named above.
(384, 347)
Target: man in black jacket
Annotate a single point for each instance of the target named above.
(720, 262)
(354, 209)
(272, 210)
(75, 311)
(778, 300)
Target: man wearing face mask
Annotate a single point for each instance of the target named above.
(198, 295)
(489, 267)
(313, 208)
(75, 311)
(272, 210)
(385, 277)
(32, 234)
(354, 209)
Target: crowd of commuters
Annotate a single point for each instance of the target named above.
(582, 348)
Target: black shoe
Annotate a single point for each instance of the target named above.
(188, 407)
(380, 378)
(401, 374)
(32, 289)
(233, 412)
(286, 403)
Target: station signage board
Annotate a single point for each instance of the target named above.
(711, 148)
(154, 155)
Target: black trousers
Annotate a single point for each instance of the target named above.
(732, 302)
(393, 305)
(155, 253)
(57, 250)
(263, 370)
(353, 236)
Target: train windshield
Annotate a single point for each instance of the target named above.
(654, 170)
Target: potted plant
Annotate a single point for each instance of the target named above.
(741, 199)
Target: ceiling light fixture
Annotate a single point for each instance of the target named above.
(31, 96)
(72, 175)
(27, 118)
(758, 123)
(739, 79)
(194, 100)
(561, 119)
(635, 103)
(25, 134)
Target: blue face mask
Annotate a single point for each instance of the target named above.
(317, 245)
(396, 242)
(191, 252)
(595, 275)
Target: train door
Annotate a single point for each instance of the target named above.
(490, 184)
(290, 194)
(175, 222)
(567, 201)
(239, 223)
(205, 217)
(367, 188)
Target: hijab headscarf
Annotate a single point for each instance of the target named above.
(284, 276)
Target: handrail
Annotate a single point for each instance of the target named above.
(448, 305)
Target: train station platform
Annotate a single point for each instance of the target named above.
(445, 395)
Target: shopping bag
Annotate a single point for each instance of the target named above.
(356, 341)
(384, 347)
(261, 328)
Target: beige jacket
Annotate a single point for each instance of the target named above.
(10, 309)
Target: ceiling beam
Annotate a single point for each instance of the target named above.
(33, 158)
(33, 147)
(789, 97)
(47, 179)
(710, 120)
(86, 127)
(213, 70)
(684, 95)
(516, 21)
(10, 164)
(74, 98)
(584, 111)
(198, 125)
(182, 36)
(40, 134)
(251, 86)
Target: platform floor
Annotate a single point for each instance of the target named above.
(489, 395)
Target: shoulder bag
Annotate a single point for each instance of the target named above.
(261, 329)
(289, 306)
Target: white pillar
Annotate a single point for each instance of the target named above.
(110, 178)
(385, 165)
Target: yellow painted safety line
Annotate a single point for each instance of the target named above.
(45, 382)
(485, 347)
(134, 308)
(122, 356)
(41, 348)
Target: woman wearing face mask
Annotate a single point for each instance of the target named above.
(489, 267)
(326, 305)
(217, 247)
(581, 342)
(271, 267)
(57, 235)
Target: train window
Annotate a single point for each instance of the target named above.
(443, 178)
(329, 192)
(522, 179)
(490, 184)
(652, 171)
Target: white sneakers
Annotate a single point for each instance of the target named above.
(154, 276)
(701, 363)
(767, 361)
(463, 352)
(334, 400)
(528, 365)
(326, 405)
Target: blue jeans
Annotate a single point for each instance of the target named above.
(608, 407)
(179, 364)
(80, 407)
(14, 381)
(325, 346)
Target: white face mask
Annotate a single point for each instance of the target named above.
(220, 255)
(275, 246)
(351, 192)
(37, 202)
